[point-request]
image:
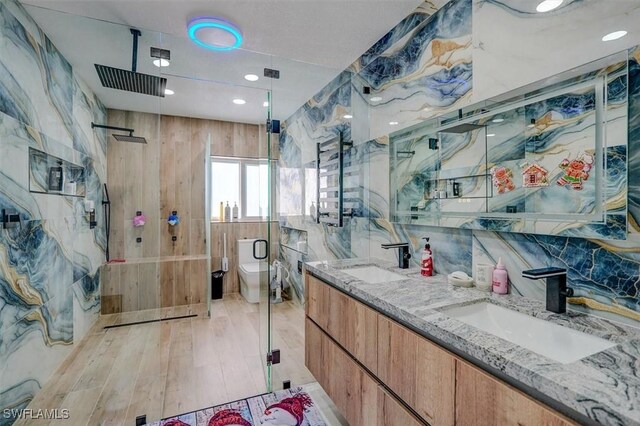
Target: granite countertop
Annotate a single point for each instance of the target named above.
(602, 388)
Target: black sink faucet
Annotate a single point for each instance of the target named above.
(557, 290)
(403, 255)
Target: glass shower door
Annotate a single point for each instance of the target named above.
(264, 308)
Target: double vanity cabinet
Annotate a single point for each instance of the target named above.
(379, 372)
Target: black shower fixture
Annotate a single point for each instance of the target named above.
(132, 81)
(121, 138)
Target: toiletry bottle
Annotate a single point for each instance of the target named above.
(312, 210)
(426, 264)
(227, 213)
(221, 211)
(500, 279)
(235, 212)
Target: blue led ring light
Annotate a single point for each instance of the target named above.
(202, 23)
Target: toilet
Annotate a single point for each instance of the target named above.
(251, 271)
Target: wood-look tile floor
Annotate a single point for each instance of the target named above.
(162, 369)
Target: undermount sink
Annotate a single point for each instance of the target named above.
(373, 274)
(554, 341)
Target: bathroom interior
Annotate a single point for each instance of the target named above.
(401, 212)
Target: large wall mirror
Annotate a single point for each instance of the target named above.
(549, 158)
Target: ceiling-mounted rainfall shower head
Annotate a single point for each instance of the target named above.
(132, 81)
(121, 138)
(463, 128)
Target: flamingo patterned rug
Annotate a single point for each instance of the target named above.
(290, 407)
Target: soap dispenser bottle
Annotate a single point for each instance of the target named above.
(235, 212)
(500, 279)
(426, 264)
(227, 213)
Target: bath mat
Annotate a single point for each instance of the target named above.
(286, 407)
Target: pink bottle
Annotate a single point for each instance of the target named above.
(500, 279)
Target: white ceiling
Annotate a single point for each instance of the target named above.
(309, 41)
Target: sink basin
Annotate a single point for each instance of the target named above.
(373, 274)
(554, 341)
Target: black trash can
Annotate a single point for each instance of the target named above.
(216, 284)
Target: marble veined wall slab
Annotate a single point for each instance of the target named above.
(604, 274)
(49, 281)
(409, 67)
(423, 72)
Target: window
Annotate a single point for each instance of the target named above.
(242, 182)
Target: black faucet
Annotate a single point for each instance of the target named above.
(403, 256)
(557, 290)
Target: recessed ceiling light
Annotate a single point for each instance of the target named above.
(490, 135)
(161, 63)
(614, 35)
(347, 116)
(265, 104)
(375, 98)
(548, 5)
(497, 120)
(168, 92)
(214, 34)
(251, 77)
(393, 123)
(239, 101)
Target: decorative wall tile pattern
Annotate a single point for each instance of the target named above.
(49, 285)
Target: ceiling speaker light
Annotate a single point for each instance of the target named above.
(214, 34)
(614, 35)
(548, 5)
(251, 77)
(239, 101)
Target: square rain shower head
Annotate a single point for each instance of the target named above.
(463, 128)
(118, 78)
(129, 138)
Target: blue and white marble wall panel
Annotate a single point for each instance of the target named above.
(45, 105)
(422, 74)
(33, 344)
(541, 45)
(603, 274)
(401, 32)
(373, 158)
(634, 142)
(49, 285)
(452, 248)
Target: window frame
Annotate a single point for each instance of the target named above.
(242, 162)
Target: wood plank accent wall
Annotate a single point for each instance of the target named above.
(166, 174)
(237, 231)
(155, 284)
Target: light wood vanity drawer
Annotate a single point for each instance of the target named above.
(418, 371)
(349, 386)
(481, 400)
(349, 322)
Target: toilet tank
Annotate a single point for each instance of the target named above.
(245, 251)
